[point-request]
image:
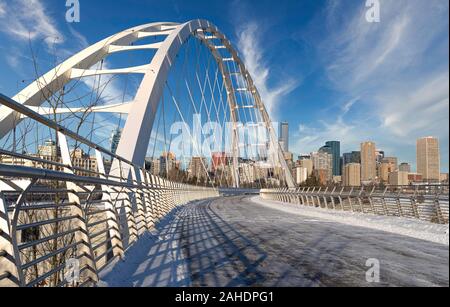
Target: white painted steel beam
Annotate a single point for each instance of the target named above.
(54, 80)
(137, 131)
(116, 48)
(82, 73)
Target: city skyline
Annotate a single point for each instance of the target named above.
(218, 144)
(326, 89)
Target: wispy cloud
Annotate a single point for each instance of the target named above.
(28, 20)
(249, 35)
(397, 69)
(2, 9)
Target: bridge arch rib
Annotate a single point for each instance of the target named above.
(142, 110)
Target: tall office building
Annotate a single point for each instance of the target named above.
(428, 158)
(405, 167)
(323, 161)
(351, 157)
(219, 160)
(398, 178)
(50, 150)
(368, 162)
(380, 155)
(153, 165)
(393, 161)
(334, 148)
(284, 136)
(115, 139)
(168, 162)
(197, 168)
(352, 175)
(388, 165)
(308, 164)
(301, 174)
(385, 168)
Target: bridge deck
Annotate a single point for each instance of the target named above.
(235, 242)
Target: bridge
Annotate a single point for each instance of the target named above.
(70, 219)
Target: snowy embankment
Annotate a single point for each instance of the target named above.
(403, 226)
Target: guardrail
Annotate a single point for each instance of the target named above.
(424, 202)
(61, 229)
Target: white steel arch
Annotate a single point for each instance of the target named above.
(142, 111)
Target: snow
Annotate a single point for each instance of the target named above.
(240, 241)
(155, 260)
(403, 226)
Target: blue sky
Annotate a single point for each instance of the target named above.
(318, 64)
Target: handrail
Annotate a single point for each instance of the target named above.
(432, 207)
(24, 110)
(128, 211)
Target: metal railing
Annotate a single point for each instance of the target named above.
(60, 229)
(424, 202)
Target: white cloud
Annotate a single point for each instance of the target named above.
(28, 20)
(419, 110)
(2, 9)
(109, 90)
(24, 20)
(398, 69)
(253, 57)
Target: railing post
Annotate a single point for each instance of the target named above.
(372, 206)
(383, 200)
(129, 214)
(332, 199)
(399, 204)
(155, 200)
(415, 207)
(85, 251)
(170, 197)
(9, 276)
(440, 216)
(163, 197)
(111, 213)
(149, 218)
(360, 199)
(158, 200)
(350, 199)
(324, 197)
(140, 201)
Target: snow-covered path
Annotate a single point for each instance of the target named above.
(238, 242)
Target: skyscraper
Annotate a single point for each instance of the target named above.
(352, 175)
(399, 178)
(334, 148)
(391, 160)
(380, 155)
(168, 162)
(428, 158)
(405, 167)
(302, 174)
(385, 167)
(284, 136)
(352, 157)
(218, 161)
(323, 161)
(115, 139)
(197, 168)
(368, 162)
(308, 164)
(50, 150)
